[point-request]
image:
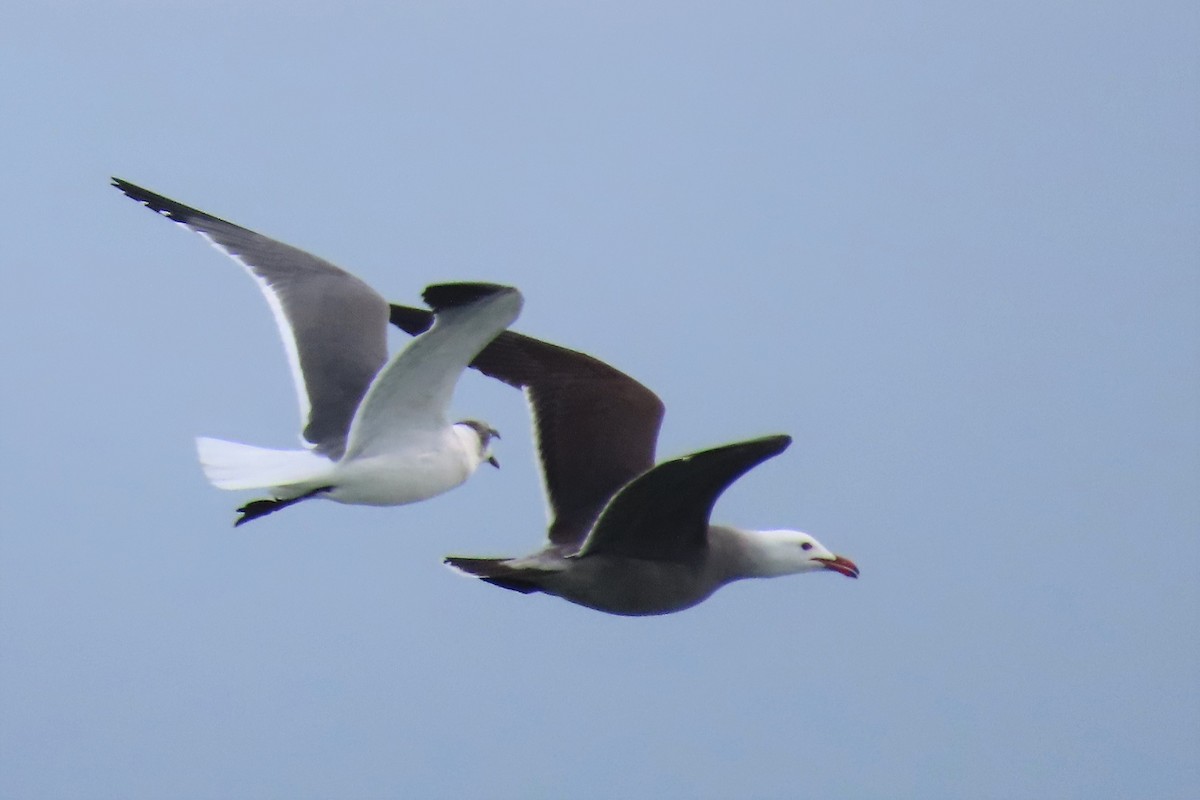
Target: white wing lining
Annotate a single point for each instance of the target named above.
(285, 333)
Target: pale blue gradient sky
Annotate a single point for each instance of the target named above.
(953, 249)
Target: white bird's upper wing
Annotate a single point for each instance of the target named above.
(333, 326)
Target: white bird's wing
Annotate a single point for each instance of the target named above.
(333, 326)
(412, 392)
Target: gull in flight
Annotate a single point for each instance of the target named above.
(376, 431)
(625, 536)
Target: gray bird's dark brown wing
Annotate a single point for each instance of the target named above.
(596, 427)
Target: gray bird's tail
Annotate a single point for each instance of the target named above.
(495, 571)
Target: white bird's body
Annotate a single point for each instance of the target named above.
(424, 467)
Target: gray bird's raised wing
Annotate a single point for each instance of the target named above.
(596, 427)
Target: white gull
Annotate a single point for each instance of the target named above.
(376, 431)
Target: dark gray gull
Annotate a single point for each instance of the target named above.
(376, 431)
(625, 536)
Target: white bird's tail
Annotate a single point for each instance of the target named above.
(232, 465)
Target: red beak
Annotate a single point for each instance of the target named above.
(841, 564)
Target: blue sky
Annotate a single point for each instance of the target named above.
(953, 249)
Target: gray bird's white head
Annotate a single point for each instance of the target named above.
(785, 552)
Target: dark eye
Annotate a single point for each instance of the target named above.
(806, 545)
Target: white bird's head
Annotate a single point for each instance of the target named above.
(786, 552)
(483, 435)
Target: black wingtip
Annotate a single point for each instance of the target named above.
(780, 440)
(156, 202)
(441, 296)
(768, 446)
(258, 508)
(413, 321)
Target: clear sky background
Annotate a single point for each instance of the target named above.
(952, 248)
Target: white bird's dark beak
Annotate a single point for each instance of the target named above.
(842, 565)
(492, 460)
